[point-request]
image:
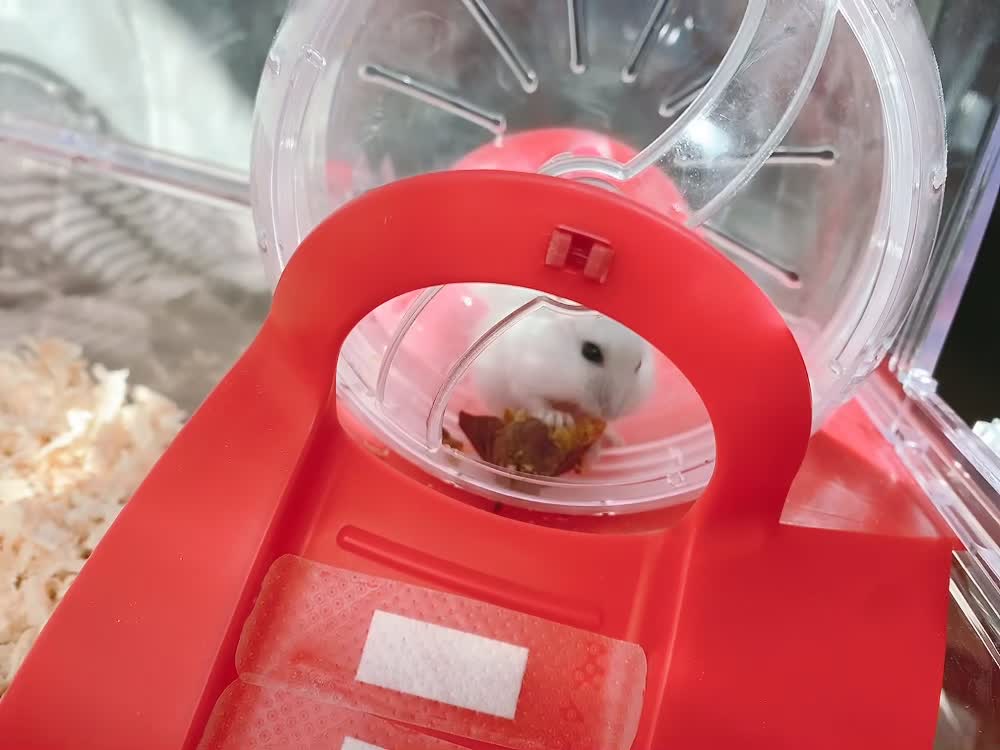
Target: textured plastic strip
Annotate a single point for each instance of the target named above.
(312, 623)
(248, 717)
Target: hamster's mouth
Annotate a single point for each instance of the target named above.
(573, 408)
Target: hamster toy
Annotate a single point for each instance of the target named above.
(555, 364)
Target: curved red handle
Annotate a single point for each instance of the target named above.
(180, 564)
(665, 283)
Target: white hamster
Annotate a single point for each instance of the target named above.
(551, 364)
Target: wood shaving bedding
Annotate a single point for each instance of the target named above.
(75, 442)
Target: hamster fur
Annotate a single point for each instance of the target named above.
(581, 362)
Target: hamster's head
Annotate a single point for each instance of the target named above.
(611, 369)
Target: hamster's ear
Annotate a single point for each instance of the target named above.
(647, 373)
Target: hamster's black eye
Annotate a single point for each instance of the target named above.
(638, 366)
(592, 353)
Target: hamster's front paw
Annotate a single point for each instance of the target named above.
(611, 438)
(590, 458)
(554, 418)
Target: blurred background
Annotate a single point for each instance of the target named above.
(168, 274)
(966, 39)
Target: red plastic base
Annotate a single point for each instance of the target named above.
(757, 634)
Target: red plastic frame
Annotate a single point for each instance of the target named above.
(755, 633)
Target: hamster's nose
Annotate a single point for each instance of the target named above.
(617, 402)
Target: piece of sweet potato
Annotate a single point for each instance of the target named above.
(523, 443)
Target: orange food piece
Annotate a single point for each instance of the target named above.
(525, 444)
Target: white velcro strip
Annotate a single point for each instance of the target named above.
(352, 744)
(443, 664)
